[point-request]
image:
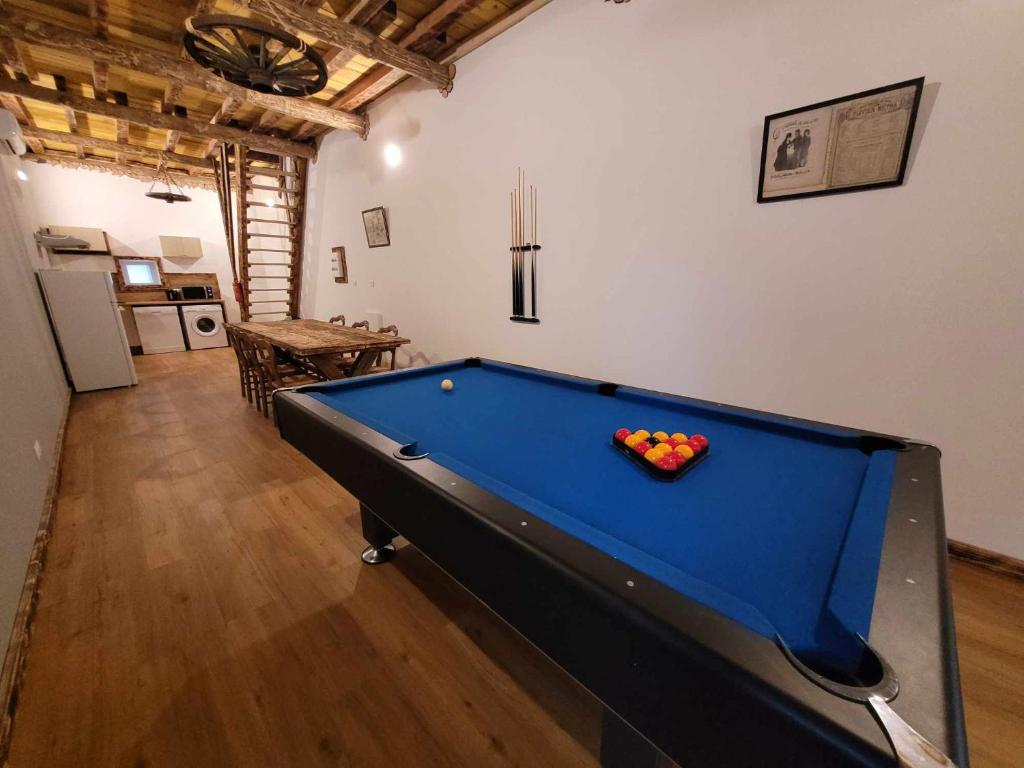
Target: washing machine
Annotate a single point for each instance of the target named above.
(204, 325)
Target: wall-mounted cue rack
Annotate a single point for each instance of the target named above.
(524, 249)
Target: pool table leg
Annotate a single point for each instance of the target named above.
(378, 535)
(623, 747)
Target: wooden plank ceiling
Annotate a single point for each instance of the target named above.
(106, 83)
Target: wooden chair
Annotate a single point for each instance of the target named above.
(257, 385)
(245, 378)
(274, 374)
(337, 319)
(364, 324)
(378, 364)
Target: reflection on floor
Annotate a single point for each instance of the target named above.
(204, 604)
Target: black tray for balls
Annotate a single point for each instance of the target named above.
(667, 475)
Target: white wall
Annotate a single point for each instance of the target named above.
(898, 310)
(33, 392)
(132, 221)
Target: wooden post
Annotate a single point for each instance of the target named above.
(243, 231)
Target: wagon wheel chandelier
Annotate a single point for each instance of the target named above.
(255, 55)
(172, 192)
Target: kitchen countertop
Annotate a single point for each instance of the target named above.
(169, 303)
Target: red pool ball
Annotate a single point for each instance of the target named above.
(622, 434)
(665, 462)
(642, 447)
(701, 439)
(672, 442)
(695, 445)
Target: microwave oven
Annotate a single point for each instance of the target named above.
(193, 292)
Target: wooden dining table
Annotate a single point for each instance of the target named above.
(322, 344)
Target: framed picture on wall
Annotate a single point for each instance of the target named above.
(339, 264)
(376, 225)
(852, 143)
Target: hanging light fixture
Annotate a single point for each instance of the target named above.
(255, 55)
(172, 192)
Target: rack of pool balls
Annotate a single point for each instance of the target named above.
(664, 456)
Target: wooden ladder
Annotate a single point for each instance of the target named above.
(272, 200)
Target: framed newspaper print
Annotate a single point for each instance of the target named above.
(847, 144)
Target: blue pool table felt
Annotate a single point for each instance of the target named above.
(779, 529)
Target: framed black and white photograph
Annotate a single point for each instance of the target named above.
(848, 144)
(376, 225)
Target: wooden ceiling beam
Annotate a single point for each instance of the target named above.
(121, 99)
(267, 121)
(113, 146)
(134, 57)
(379, 79)
(98, 15)
(145, 173)
(350, 37)
(100, 74)
(10, 55)
(100, 69)
(188, 126)
(437, 21)
(69, 113)
(171, 94)
(16, 108)
(361, 12)
(172, 138)
(228, 107)
(492, 30)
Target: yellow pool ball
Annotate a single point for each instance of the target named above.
(685, 450)
(632, 440)
(447, 385)
(661, 435)
(662, 448)
(643, 434)
(653, 455)
(679, 436)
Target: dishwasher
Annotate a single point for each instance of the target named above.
(159, 329)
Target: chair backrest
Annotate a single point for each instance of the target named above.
(337, 319)
(233, 342)
(362, 324)
(391, 330)
(245, 351)
(266, 359)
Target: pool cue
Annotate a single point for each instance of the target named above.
(522, 241)
(515, 252)
(512, 244)
(533, 252)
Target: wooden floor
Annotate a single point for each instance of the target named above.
(204, 605)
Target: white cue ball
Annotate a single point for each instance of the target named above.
(447, 385)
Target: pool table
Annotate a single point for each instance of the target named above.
(784, 603)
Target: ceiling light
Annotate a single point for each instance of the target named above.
(22, 176)
(392, 156)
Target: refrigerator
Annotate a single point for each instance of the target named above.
(87, 323)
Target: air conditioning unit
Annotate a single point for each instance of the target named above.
(11, 142)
